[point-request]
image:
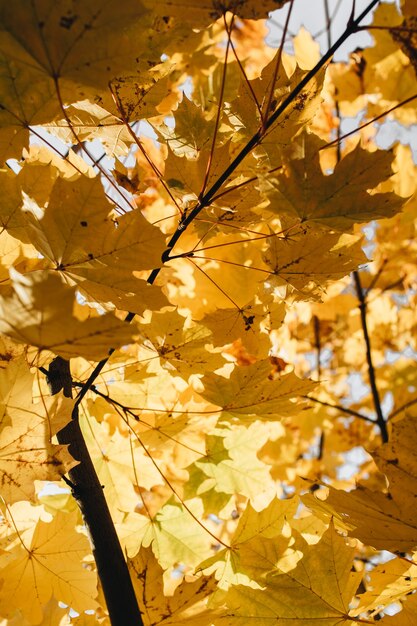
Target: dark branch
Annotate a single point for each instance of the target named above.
(88, 492)
(380, 420)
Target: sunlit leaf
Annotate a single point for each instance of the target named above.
(338, 200)
(251, 391)
(51, 325)
(26, 449)
(186, 604)
(385, 520)
(319, 589)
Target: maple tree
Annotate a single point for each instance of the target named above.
(208, 334)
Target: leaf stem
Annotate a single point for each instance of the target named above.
(380, 420)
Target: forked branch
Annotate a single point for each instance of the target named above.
(208, 196)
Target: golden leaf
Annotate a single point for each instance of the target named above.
(43, 304)
(187, 603)
(26, 430)
(250, 392)
(47, 563)
(339, 200)
(385, 521)
(318, 590)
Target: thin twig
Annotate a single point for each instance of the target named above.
(317, 345)
(375, 119)
(375, 278)
(341, 408)
(402, 408)
(380, 420)
(403, 29)
(276, 69)
(247, 81)
(229, 29)
(336, 101)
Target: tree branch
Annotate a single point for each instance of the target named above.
(402, 408)
(372, 121)
(206, 199)
(380, 420)
(342, 409)
(88, 492)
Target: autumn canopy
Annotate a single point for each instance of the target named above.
(208, 290)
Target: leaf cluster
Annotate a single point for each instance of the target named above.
(232, 282)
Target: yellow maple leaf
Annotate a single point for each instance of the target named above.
(317, 591)
(307, 51)
(387, 583)
(185, 176)
(78, 228)
(179, 345)
(32, 187)
(53, 615)
(390, 67)
(231, 466)
(250, 324)
(47, 563)
(310, 259)
(146, 94)
(339, 200)
(50, 55)
(28, 95)
(251, 392)
(204, 286)
(192, 134)
(62, 43)
(261, 544)
(90, 121)
(406, 617)
(40, 313)
(184, 606)
(14, 253)
(79, 234)
(203, 13)
(175, 534)
(26, 430)
(385, 521)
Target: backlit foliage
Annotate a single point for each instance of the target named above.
(185, 222)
